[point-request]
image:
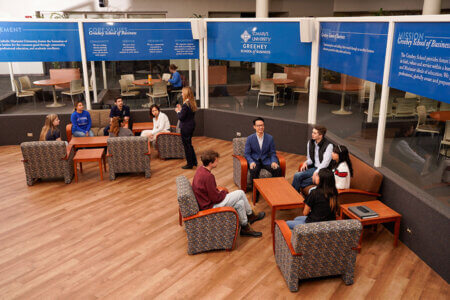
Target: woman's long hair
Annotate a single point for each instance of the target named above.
(342, 152)
(189, 95)
(115, 126)
(48, 125)
(327, 185)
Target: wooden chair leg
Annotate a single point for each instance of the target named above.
(180, 218)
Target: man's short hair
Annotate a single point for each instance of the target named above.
(209, 156)
(115, 100)
(321, 129)
(258, 119)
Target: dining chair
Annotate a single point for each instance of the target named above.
(445, 140)
(76, 88)
(422, 125)
(22, 94)
(124, 89)
(159, 91)
(130, 78)
(267, 89)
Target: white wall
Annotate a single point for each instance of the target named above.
(33, 68)
(359, 5)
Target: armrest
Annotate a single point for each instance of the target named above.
(221, 188)
(69, 132)
(300, 166)
(287, 235)
(149, 149)
(165, 133)
(244, 169)
(68, 151)
(356, 191)
(212, 211)
(282, 161)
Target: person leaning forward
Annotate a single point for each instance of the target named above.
(209, 196)
(260, 152)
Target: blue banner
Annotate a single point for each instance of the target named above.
(355, 49)
(420, 61)
(272, 42)
(39, 41)
(139, 41)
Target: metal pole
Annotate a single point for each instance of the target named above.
(202, 78)
(261, 11)
(205, 72)
(105, 82)
(85, 67)
(94, 81)
(190, 73)
(431, 7)
(384, 98)
(197, 80)
(314, 79)
(11, 75)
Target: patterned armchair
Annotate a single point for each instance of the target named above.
(211, 229)
(316, 250)
(169, 144)
(128, 154)
(47, 159)
(241, 175)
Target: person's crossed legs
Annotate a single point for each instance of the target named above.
(303, 179)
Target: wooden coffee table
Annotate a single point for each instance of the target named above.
(385, 215)
(139, 127)
(278, 193)
(84, 155)
(89, 142)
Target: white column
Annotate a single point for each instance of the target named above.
(431, 7)
(384, 99)
(190, 73)
(197, 80)
(85, 66)
(94, 82)
(206, 65)
(371, 101)
(314, 76)
(262, 11)
(202, 77)
(105, 82)
(11, 75)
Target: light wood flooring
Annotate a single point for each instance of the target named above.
(121, 239)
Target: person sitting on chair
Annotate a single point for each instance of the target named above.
(117, 130)
(209, 196)
(319, 151)
(50, 131)
(260, 152)
(160, 123)
(119, 110)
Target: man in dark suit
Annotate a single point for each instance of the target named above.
(260, 152)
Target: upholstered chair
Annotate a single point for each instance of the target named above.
(169, 144)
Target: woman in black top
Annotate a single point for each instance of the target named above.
(50, 131)
(321, 203)
(186, 114)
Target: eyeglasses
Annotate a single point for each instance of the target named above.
(259, 125)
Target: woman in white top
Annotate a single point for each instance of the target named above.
(342, 167)
(160, 123)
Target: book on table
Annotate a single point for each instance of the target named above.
(363, 212)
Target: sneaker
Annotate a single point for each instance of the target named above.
(187, 167)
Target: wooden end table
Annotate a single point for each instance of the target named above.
(385, 215)
(139, 127)
(278, 193)
(85, 155)
(89, 141)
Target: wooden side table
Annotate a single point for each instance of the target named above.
(85, 155)
(385, 215)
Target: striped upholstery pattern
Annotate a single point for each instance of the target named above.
(45, 159)
(214, 231)
(169, 145)
(127, 155)
(326, 249)
(239, 149)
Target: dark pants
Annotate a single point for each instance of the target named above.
(254, 173)
(186, 138)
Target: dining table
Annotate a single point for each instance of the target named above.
(52, 83)
(343, 89)
(441, 116)
(279, 81)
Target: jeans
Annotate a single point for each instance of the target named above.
(239, 202)
(297, 221)
(303, 179)
(81, 133)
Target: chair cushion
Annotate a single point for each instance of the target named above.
(186, 198)
(239, 146)
(365, 177)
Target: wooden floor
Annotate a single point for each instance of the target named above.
(121, 239)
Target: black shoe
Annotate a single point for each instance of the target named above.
(187, 167)
(253, 218)
(247, 231)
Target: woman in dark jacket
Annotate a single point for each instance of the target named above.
(186, 114)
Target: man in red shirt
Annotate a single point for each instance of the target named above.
(209, 196)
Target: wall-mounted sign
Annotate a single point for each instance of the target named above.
(39, 41)
(355, 49)
(272, 42)
(139, 41)
(420, 61)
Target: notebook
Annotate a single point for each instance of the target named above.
(363, 212)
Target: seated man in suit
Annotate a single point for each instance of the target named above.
(260, 152)
(318, 156)
(209, 196)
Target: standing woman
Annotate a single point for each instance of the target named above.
(321, 203)
(342, 167)
(160, 123)
(186, 114)
(50, 131)
(81, 121)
